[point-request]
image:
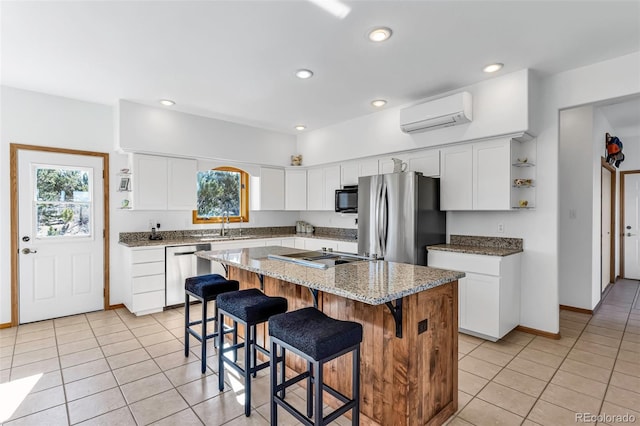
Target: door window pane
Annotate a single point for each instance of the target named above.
(63, 202)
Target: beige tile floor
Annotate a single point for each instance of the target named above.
(112, 368)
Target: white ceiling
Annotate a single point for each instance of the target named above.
(235, 59)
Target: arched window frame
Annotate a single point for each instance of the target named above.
(244, 200)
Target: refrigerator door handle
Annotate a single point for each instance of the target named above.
(385, 219)
(379, 192)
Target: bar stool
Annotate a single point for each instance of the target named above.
(250, 308)
(204, 288)
(318, 339)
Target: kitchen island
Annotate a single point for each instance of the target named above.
(409, 352)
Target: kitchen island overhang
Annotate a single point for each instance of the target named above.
(410, 379)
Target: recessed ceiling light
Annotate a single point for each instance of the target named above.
(300, 127)
(304, 73)
(167, 102)
(378, 103)
(380, 34)
(493, 67)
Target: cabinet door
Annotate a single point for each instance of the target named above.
(318, 244)
(287, 242)
(331, 183)
(427, 163)
(149, 182)
(295, 190)
(271, 189)
(315, 189)
(481, 304)
(492, 175)
(347, 247)
(386, 166)
(349, 174)
(456, 178)
(368, 168)
(182, 185)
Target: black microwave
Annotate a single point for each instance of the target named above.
(347, 199)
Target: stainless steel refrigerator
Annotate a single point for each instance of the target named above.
(399, 215)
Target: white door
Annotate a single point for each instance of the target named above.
(606, 228)
(61, 234)
(631, 226)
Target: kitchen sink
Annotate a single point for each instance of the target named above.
(225, 238)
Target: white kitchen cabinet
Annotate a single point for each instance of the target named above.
(295, 190)
(425, 162)
(149, 182)
(163, 183)
(476, 176)
(368, 167)
(315, 189)
(349, 173)
(285, 242)
(387, 165)
(491, 175)
(182, 184)
(489, 294)
(321, 186)
(319, 244)
(268, 191)
(145, 282)
(456, 178)
(347, 247)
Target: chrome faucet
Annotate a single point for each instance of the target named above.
(225, 214)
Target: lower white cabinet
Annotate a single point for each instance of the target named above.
(144, 268)
(489, 294)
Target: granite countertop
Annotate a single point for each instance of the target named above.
(486, 246)
(191, 239)
(372, 282)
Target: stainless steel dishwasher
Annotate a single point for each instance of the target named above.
(181, 263)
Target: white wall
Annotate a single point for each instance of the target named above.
(32, 118)
(500, 106)
(576, 207)
(144, 129)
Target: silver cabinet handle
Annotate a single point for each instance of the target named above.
(28, 251)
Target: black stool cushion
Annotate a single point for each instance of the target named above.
(209, 286)
(315, 334)
(252, 305)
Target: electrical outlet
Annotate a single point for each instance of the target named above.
(501, 228)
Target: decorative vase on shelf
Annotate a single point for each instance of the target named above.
(296, 160)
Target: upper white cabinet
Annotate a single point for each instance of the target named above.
(321, 186)
(349, 173)
(491, 175)
(456, 178)
(368, 167)
(426, 162)
(182, 191)
(149, 182)
(161, 183)
(477, 176)
(268, 191)
(295, 189)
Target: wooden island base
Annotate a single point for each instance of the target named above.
(412, 380)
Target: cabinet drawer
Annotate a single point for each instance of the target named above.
(147, 301)
(147, 255)
(147, 283)
(152, 268)
(474, 263)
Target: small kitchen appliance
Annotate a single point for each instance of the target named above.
(347, 199)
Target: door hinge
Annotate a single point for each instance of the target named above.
(104, 234)
(104, 292)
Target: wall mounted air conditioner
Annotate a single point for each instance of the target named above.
(448, 111)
